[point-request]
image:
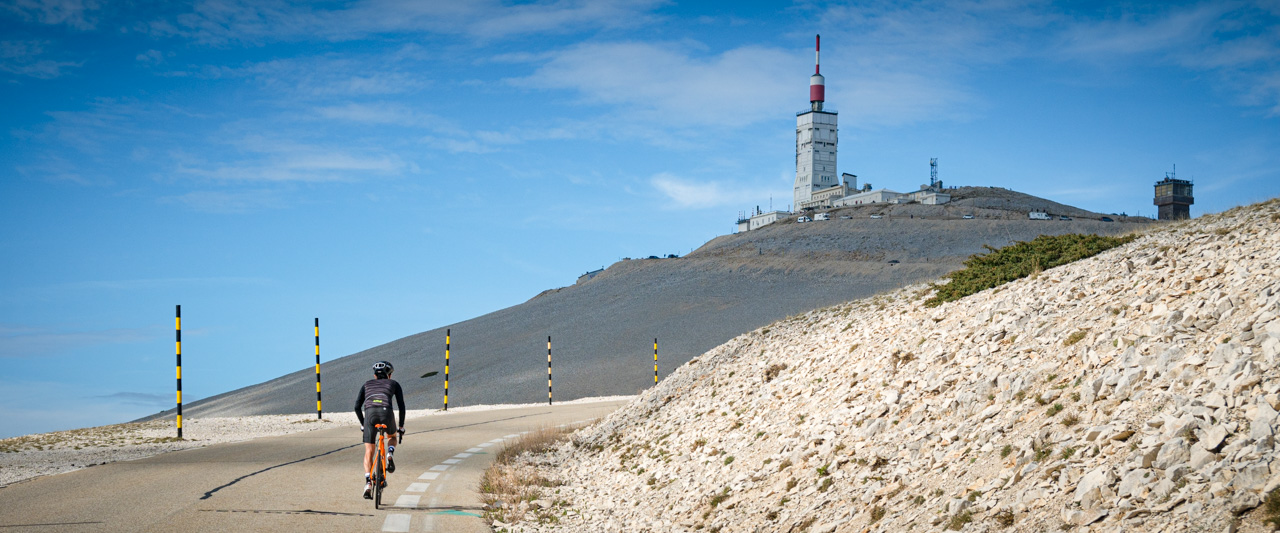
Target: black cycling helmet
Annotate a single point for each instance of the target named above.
(383, 368)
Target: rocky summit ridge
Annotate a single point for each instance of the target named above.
(1135, 390)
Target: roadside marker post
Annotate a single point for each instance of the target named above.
(319, 411)
(655, 361)
(177, 326)
(448, 338)
(548, 370)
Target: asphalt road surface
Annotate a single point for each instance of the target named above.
(301, 482)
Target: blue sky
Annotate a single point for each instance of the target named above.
(391, 166)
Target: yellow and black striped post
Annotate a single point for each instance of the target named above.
(319, 411)
(177, 326)
(447, 341)
(548, 370)
(655, 361)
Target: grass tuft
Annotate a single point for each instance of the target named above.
(508, 484)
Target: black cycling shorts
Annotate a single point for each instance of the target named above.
(378, 415)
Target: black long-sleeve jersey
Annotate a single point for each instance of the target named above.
(378, 393)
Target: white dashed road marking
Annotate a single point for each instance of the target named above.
(463, 455)
(475, 450)
(439, 468)
(486, 444)
(396, 522)
(429, 475)
(407, 501)
(451, 461)
(511, 436)
(417, 487)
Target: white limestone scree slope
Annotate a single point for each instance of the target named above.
(1136, 390)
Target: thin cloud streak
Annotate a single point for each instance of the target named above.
(25, 341)
(695, 194)
(221, 22)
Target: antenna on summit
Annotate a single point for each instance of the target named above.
(817, 84)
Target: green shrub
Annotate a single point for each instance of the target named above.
(1075, 337)
(1271, 509)
(773, 371)
(877, 513)
(958, 521)
(1004, 518)
(1019, 260)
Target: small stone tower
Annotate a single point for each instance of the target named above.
(1173, 197)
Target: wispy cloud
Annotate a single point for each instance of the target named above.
(688, 193)
(29, 341)
(144, 399)
(26, 58)
(155, 283)
(78, 14)
(259, 158)
(326, 76)
(220, 22)
(667, 83)
(1237, 42)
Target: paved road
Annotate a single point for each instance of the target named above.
(301, 482)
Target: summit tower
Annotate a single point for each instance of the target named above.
(815, 139)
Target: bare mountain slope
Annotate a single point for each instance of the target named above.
(603, 328)
(1136, 390)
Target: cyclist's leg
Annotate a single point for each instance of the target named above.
(368, 456)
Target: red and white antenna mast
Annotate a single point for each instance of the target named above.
(817, 84)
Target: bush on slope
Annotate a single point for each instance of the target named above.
(1019, 260)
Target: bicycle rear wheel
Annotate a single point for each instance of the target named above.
(379, 479)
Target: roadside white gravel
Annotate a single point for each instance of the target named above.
(44, 454)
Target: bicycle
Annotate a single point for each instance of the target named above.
(378, 469)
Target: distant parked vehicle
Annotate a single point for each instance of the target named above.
(653, 257)
(846, 217)
(1064, 218)
(877, 216)
(1039, 215)
(1107, 219)
(822, 216)
(967, 217)
(804, 219)
(893, 261)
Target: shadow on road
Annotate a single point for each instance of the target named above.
(209, 493)
(283, 511)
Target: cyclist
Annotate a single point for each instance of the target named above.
(373, 406)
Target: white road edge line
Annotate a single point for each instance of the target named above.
(463, 455)
(439, 468)
(407, 500)
(429, 475)
(396, 522)
(417, 487)
(451, 461)
(475, 450)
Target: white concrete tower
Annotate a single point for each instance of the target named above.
(815, 140)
